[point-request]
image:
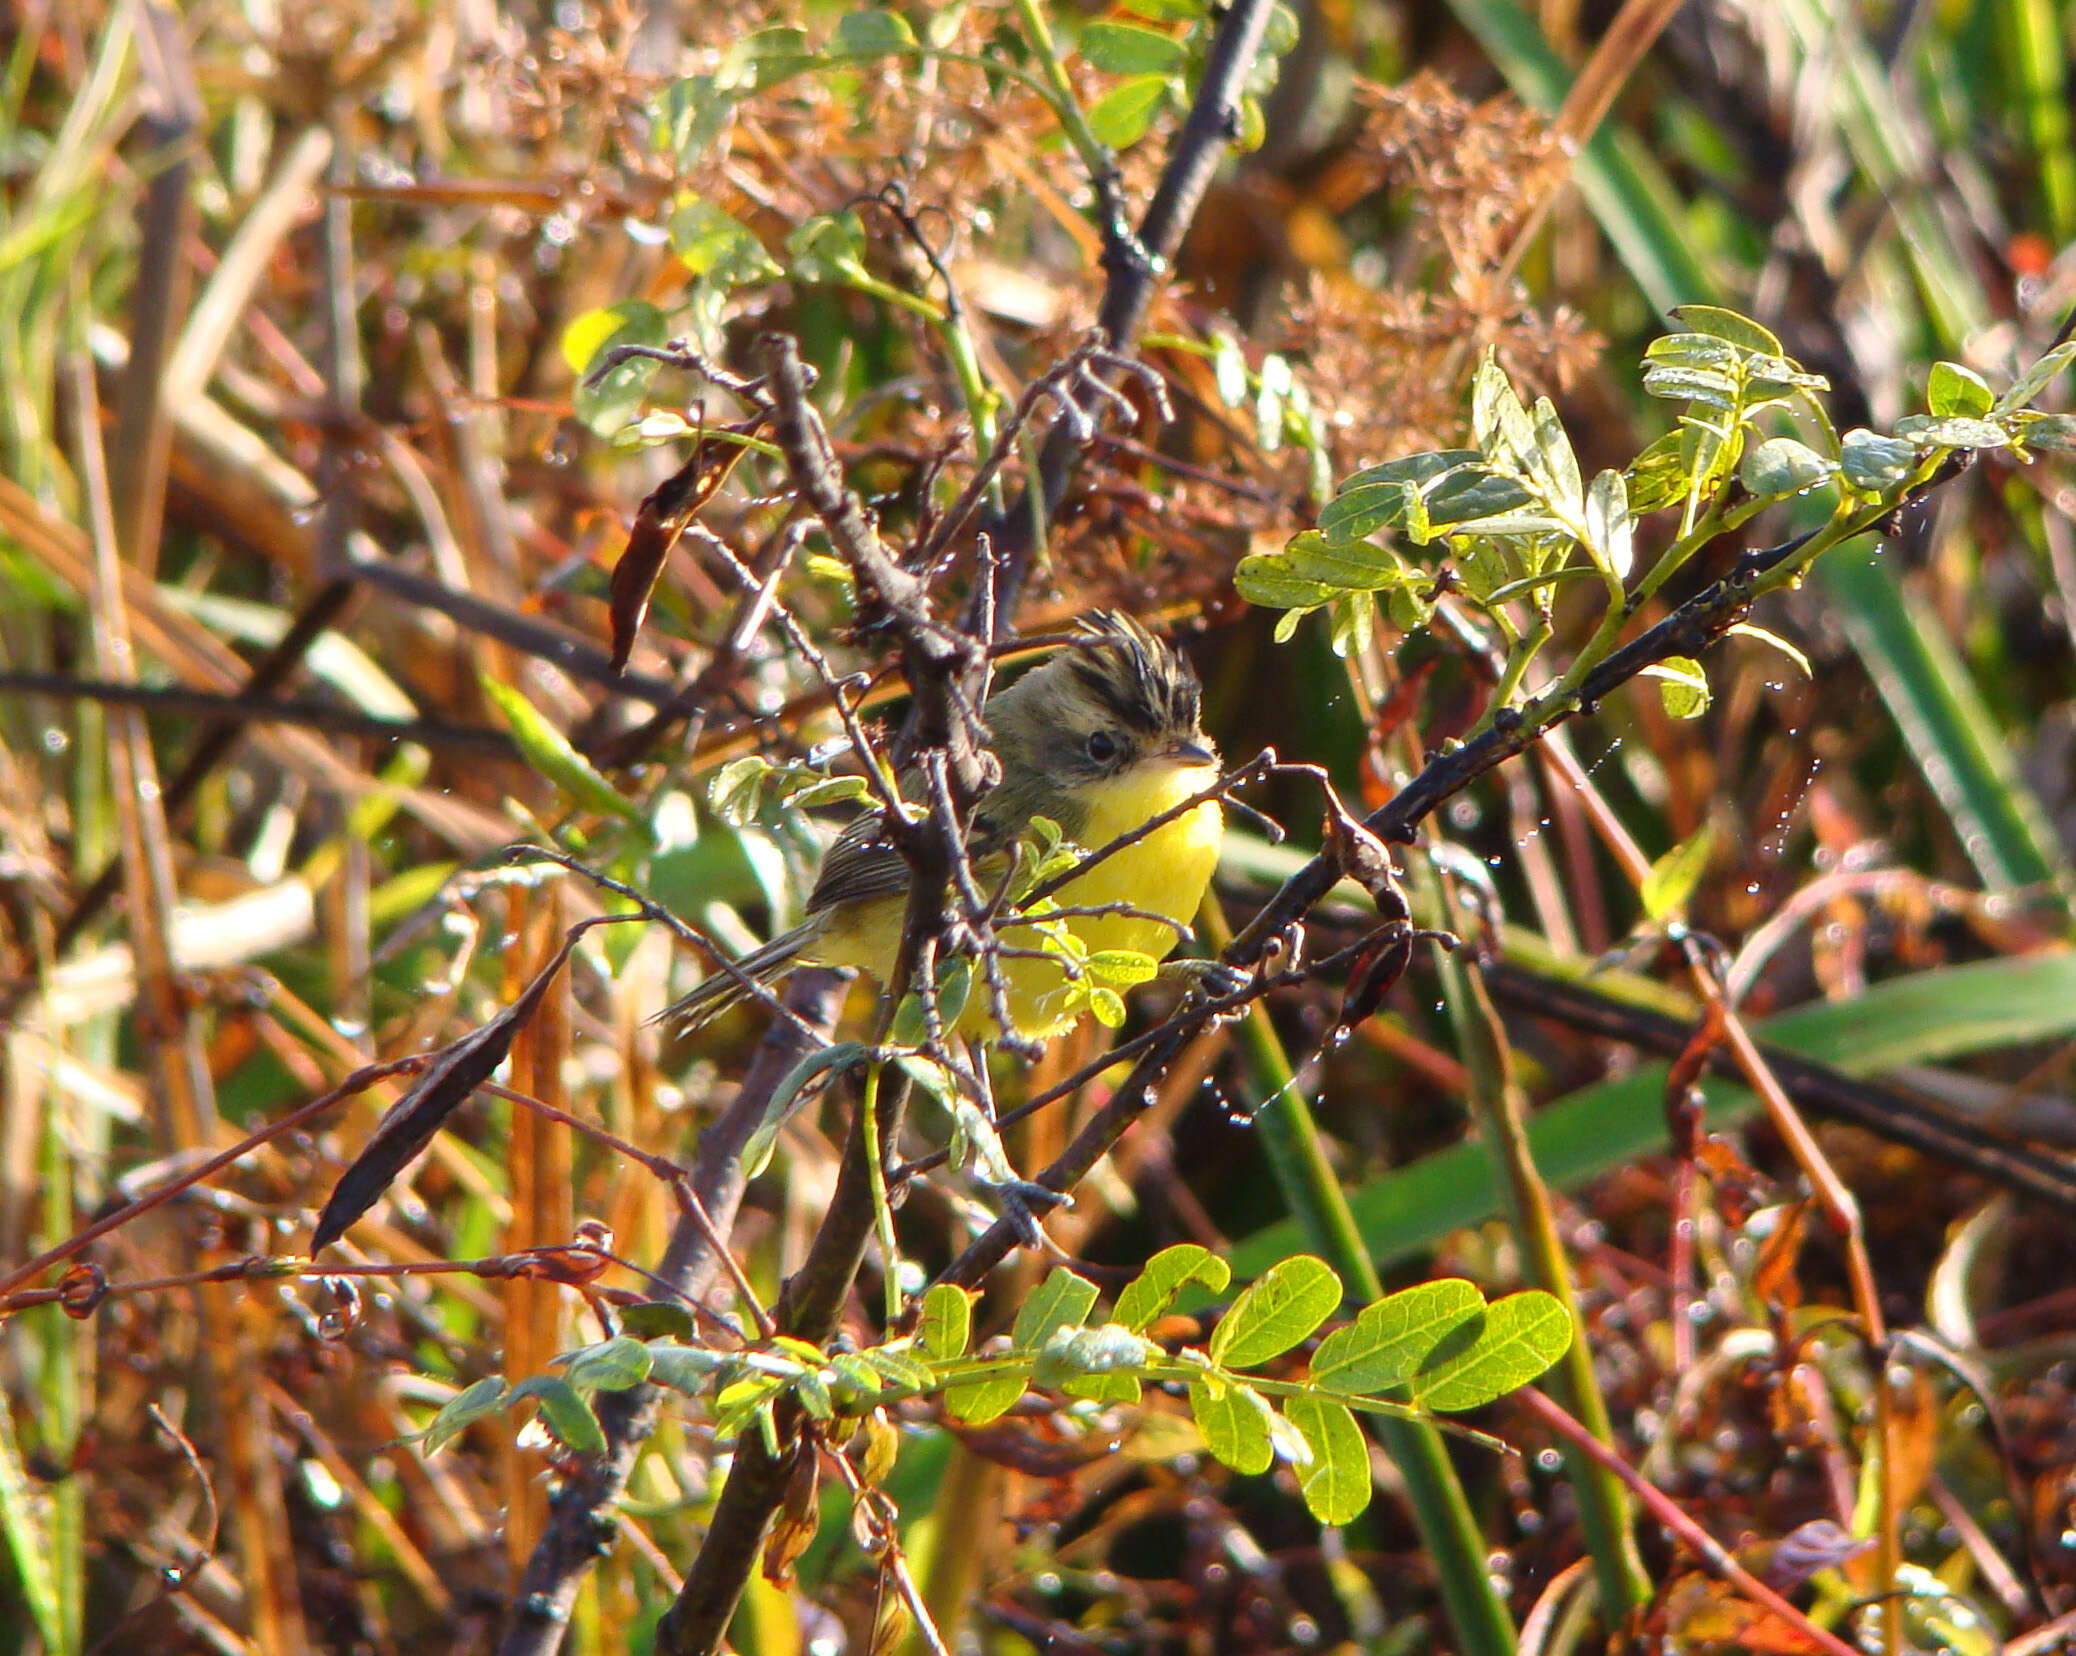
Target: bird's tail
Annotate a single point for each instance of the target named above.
(732, 985)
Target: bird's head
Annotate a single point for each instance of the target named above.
(1118, 708)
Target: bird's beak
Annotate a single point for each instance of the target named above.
(1188, 752)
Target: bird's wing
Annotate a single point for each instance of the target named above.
(860, 866)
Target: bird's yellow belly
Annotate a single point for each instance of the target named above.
(1166, 873)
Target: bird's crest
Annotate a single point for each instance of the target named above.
(1142, 678)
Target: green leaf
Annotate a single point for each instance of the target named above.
(1658, 476)
(738, 788)
(1953, 389)
(1612, 538)
(1471, 495)
(1355, 623)
(1336, 1485)
(1274, 1312)
(1267, 579)
(1254, 126)
(682, 1368)
(1128, 49)
(1149, 1294)
(765, 58)
(1553, 465)
(709, 243)
(1499, 424)
(1874, 464)
(947, 1322)
(461, 1411)
(785, 1099)
(979, 1401)
(1522, 1335)
(1683, 687)
(1122, 968)
(827, 248)
(901, 1366)
(1670, 883)
(1356, 566)
(1234, 1420)
(829, 790)
(1695, 350)
(692, 112)
(870, 34)
(606, 406)
(658, 1319)
(1121, 116)
(612, 1365)
(1780, 466)
(548, 751)
(1710, 387)
(1108, 1006)
(2038, 377)
(563, 1412)
(1953, 432)
(1062, 1300)
(1387, 1343)
(1718, 323)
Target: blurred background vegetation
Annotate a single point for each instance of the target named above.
(294, 304)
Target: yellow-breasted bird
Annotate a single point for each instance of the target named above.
(1101, 738)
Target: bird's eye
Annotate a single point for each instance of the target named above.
(1102, 746)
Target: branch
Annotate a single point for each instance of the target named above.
(1136, 268)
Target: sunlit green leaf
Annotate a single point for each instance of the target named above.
(1683, 687)
(606, 406)
(1336, 1483)
(874, 33)
(947, 1322)
(1388, 1341)
(786, 1097)
(1234, 1420)
(1874, 464)
(1062, 1300)
(1122, 968)
(1608, 524)
(1149, 1294)
(1954, 389)
(461, 1411)
(977, 1402)
(1129, 49)
(1740, 331)
(1670, 883)
(1781, 466)
(549, 752)
(1275, 1311)
(1121, 116)
(1521, 1336)
(2038, 377)
(611, 1365)
(1953, 432)
(710, 243)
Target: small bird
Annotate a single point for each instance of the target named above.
(1101, 738)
